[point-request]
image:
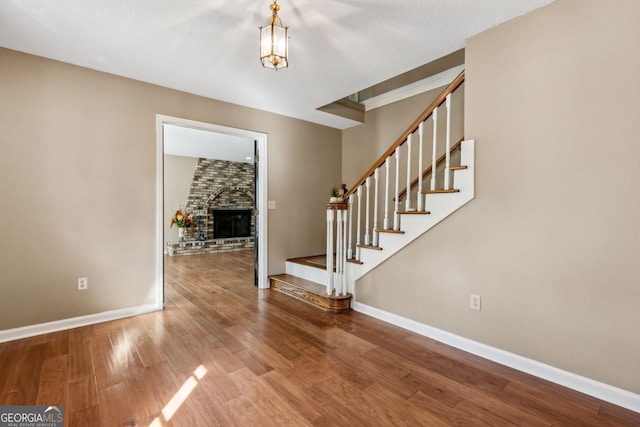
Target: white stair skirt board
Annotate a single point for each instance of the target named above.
(602, 391)
(441, 205)
(74, 322)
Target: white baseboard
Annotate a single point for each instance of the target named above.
(606, 392)
(74, 322)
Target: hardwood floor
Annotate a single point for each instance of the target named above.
(225, 353)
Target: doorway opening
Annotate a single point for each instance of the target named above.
(233, 141)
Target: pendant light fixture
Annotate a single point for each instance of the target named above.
(274, 42)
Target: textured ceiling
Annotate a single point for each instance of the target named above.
(210, 47)
(189, 142)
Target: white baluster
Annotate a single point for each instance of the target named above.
(375, 208)
(396, 217)
(359, 216)
(407, 200)
(386, 196)
(330, 217)
(343, 277)
(350, 245)
(366, 213)
(419, 193)
(435, 148)
(447, 163)
(338, 263)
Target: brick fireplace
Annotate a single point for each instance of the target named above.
(221, 200)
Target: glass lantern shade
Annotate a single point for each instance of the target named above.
(274, 42)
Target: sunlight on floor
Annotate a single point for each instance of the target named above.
(179, 398)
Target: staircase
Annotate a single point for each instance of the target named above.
(377, 219)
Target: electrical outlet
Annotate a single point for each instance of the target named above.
(83, 283)
(475, 302)
(272, 204)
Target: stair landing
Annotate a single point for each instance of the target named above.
(310, 292)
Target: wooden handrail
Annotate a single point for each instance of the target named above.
(427, 171)
(455, 84)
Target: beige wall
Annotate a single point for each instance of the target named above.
(178, 175)
(551, 240)
(77, 185)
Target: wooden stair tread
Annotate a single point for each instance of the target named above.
(414, 213)
(453, 190)
(457, 168)
(375, 248)
(310, 292)
(354, 261)
(384, 230)
(301, 283)
(315, 261)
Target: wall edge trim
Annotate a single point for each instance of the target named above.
(74, 322)
(597, 389)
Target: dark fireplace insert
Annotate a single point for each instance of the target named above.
(231, 223)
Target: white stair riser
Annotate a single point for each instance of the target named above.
(305, 272)
(441, 205)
